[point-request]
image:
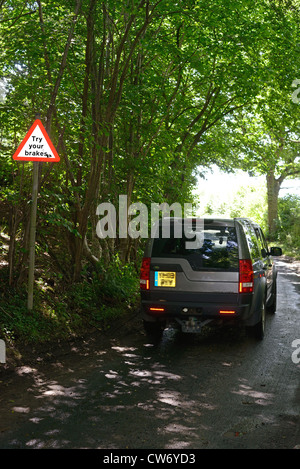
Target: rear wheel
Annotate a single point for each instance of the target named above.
(272, 308)
(154, 328)
(259, 328)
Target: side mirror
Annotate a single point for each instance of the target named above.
(274, 251)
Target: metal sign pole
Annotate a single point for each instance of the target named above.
(35, 147)
(32, 232)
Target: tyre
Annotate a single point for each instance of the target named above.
(272, 307)
(153, 329)
(259, 328)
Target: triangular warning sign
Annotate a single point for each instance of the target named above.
(36, 146)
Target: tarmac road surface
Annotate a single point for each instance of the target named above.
(219, 389)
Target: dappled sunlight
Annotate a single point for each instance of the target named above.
(155, 376)
(112, 375)
(57, 390)
(139, 381)
(123, 349)
(259, 397)
(179, 435)
(21, 410)
(171, 398)
(23, 370)
(189, 391)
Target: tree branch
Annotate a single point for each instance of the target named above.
(62, 65)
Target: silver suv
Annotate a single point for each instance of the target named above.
(200, 271)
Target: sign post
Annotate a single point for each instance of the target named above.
(35, 183)
(35, 147)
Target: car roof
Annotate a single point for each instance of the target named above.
(212, 220)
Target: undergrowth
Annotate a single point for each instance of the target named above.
(64, 310)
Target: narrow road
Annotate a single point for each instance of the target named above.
(220, 389)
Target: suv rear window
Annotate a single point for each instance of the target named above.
(216, 248)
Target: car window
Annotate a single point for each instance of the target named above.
(262, 242)
(216, 248)
(265, 244)
(251, 240)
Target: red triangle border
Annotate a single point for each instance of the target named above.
(36, 123)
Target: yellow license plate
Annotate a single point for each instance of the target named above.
(165, 279)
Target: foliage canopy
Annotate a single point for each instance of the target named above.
(137, 95)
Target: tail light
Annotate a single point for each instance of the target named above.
(145, 274)
(246, 276)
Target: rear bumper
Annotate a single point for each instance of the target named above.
(201, 306)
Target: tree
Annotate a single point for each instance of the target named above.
(268, 144)
(276, 150)
(263, 137)
(131, 93)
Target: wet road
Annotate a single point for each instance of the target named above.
(216, 390)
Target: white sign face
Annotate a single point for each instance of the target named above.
(36, 146)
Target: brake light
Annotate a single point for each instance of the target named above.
(246, 276)
(145, 274)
